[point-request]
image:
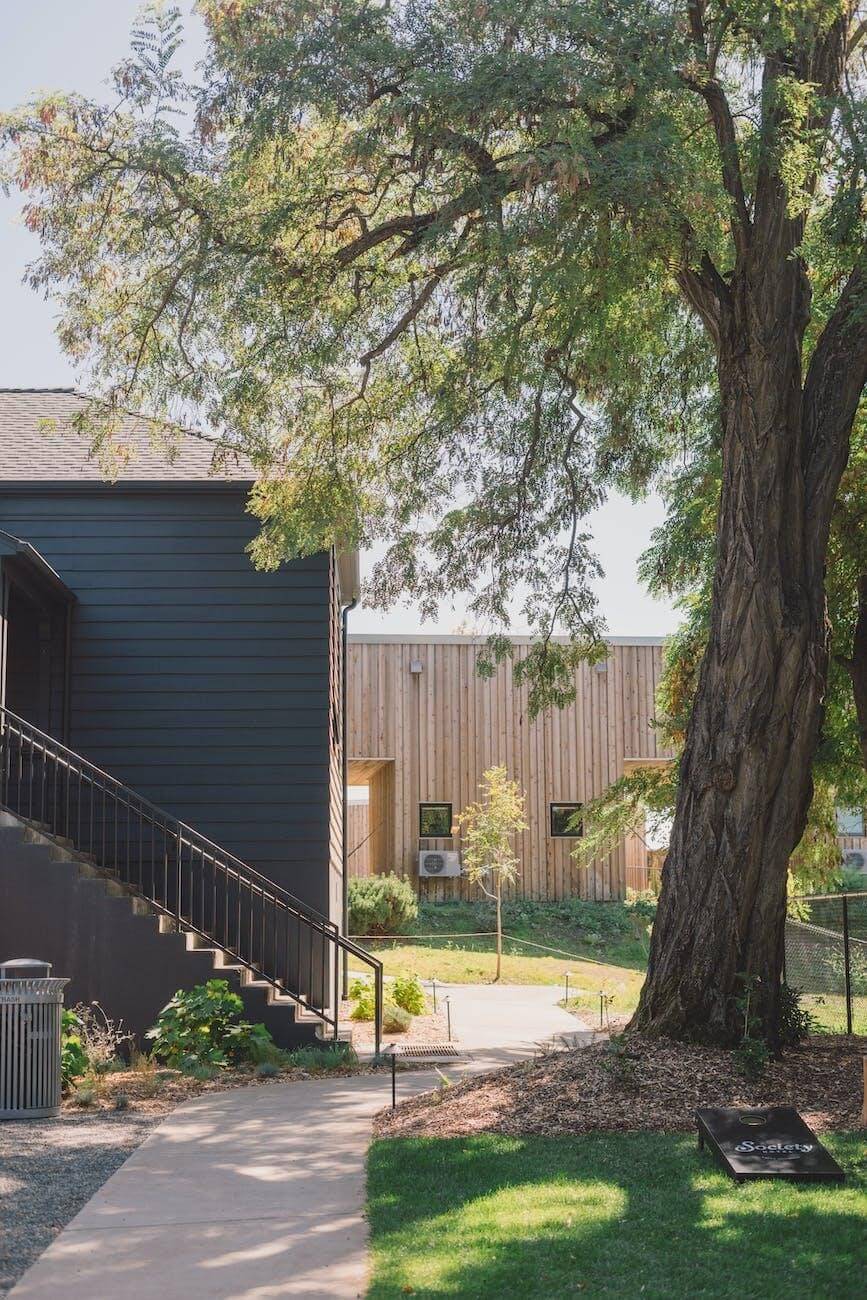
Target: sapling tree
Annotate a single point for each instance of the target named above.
(493, 258)
(487, 829)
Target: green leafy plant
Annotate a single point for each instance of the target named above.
(381, 905)
(752, 1052)
(796, 1023)
(73, 1058)
(201, 1029)
(363, 995)
(407, 992)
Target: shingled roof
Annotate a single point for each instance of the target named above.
(31, 451)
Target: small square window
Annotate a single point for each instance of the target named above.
(434, 820)
(562, 826)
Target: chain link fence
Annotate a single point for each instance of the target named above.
(826, 959)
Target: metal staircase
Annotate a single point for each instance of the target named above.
(245, 922)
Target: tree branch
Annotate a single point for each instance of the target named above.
(833, 388)
(724, 128)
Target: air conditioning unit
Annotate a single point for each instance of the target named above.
(439, 862)
(855, 859)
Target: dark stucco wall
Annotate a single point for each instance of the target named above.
(196, 680)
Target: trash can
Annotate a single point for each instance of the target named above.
(31, 1010)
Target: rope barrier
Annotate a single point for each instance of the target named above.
(478, 934)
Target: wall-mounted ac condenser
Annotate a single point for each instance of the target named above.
(439, 862)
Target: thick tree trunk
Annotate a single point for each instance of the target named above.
(745, 784)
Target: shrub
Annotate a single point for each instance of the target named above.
(121, 1101)
(201, 1030)
(73, 1058)
(381, 905)
(394, 1019)
(102, 1039)
(363, 994)
(408, 993)
(267, 1070)
(338, 1056)
(796, 1023)
(84, 1097)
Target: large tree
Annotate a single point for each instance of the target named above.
(502, 254)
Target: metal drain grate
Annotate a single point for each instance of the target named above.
(425, 1049)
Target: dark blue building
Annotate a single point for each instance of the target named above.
(138, 636)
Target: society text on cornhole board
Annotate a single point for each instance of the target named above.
(770, 1143)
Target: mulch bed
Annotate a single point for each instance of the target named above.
(658, 1086)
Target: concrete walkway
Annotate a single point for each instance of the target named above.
(259, 1192)
(508, 1020)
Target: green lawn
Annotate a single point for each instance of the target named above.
(597, 959)
(628, 1215)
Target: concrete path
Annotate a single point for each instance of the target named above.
(510, 1020)
(241, 1195)
(259, 1192)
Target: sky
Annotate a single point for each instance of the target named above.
(72, 45)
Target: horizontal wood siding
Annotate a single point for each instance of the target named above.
(443, 726)
(200, 682)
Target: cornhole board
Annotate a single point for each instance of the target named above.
(770, 1143)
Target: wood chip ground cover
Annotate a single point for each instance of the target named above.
(656, 1087)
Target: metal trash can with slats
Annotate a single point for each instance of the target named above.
(31, 1011)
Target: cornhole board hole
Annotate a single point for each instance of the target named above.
(770, 1143)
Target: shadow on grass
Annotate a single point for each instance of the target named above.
(617, 1215)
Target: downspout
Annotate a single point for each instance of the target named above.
(344, 642)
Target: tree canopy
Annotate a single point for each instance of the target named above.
(450, 271)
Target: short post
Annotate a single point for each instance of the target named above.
(864, 1103)
(566, 976)
(394, 1081)
(601, 1006)
(449, 1018)
(434, 991)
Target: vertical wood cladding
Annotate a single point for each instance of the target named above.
(203, 684)
(443, 726)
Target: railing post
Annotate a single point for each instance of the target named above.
(847, 967)
(336, 991)
(378, 1012)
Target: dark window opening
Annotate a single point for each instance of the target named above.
(562, 824)
(434, 820)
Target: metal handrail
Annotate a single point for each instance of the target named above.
(182, 873)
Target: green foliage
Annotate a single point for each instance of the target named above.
(796, 1023)
(642, 801)
(201, 1030)
(363, 994)
(488, 828)
(381, 905)
(752, 1052)
(394, 1019)
(267, 1070)
(73, 1058)
(407, 992)
(321, 1060)
(641, 903)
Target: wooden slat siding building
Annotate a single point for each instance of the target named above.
(428, 735)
